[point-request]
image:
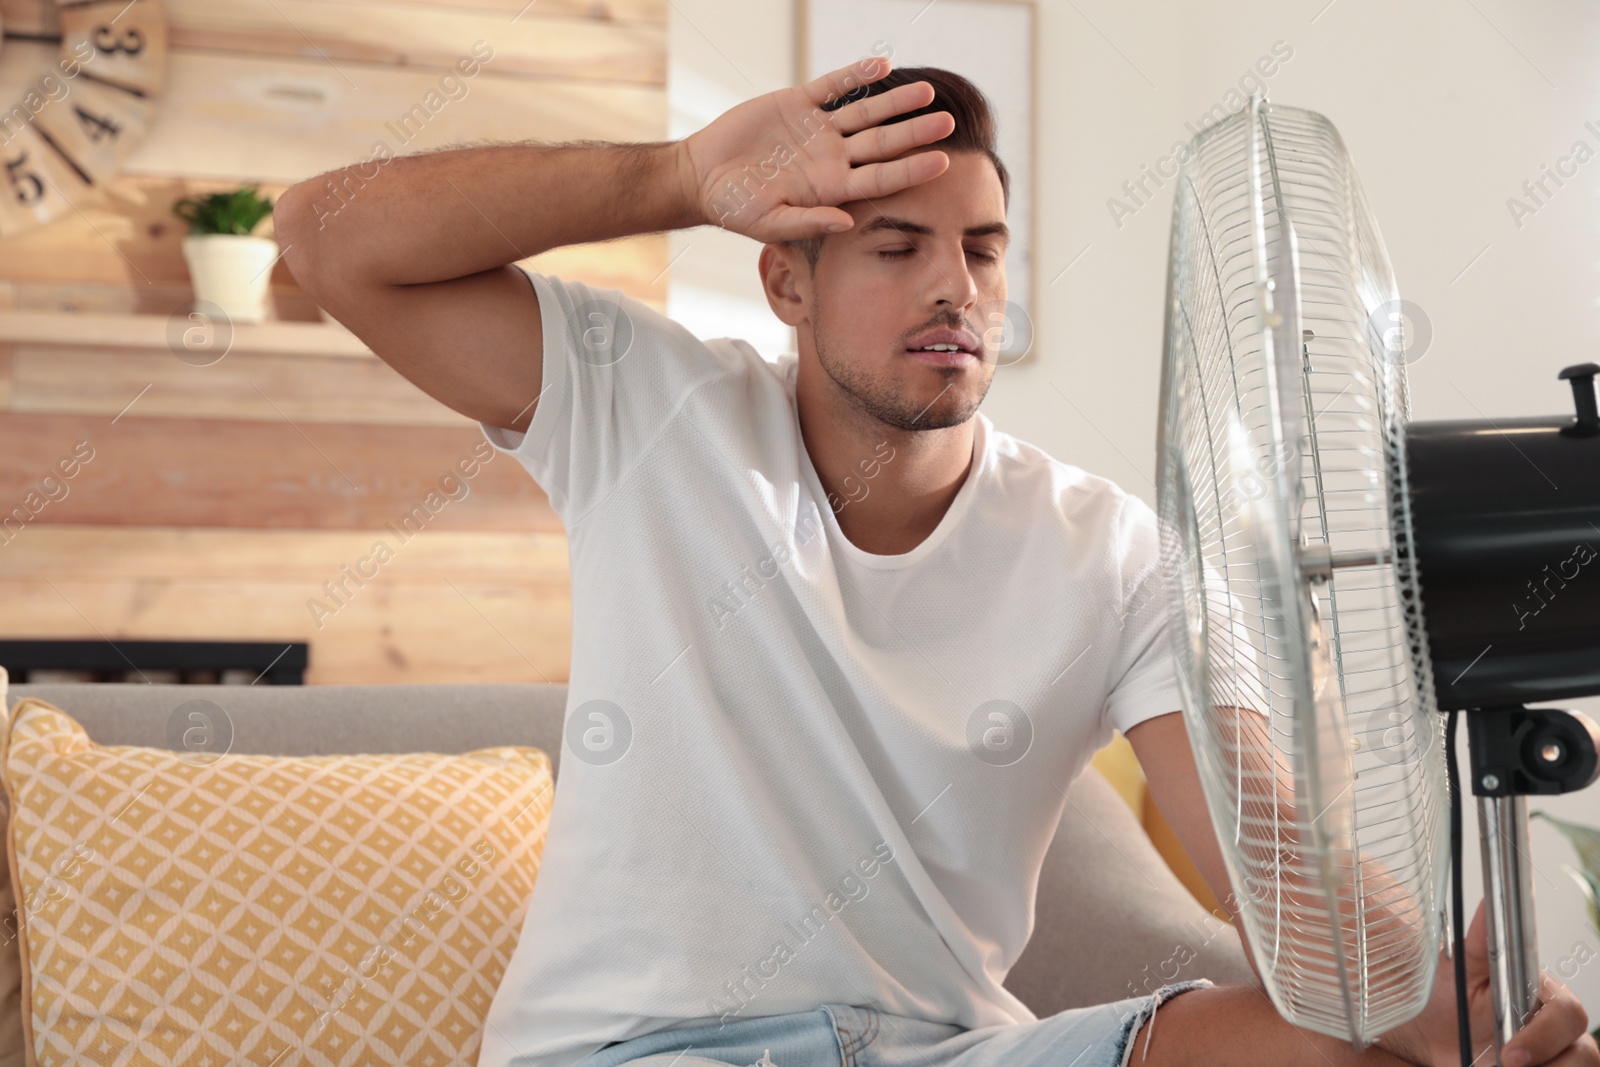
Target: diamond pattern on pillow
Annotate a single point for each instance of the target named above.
(325, 910)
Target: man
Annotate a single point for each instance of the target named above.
(839, 645)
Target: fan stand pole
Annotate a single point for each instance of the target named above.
(1515, 752)
(1508, 890)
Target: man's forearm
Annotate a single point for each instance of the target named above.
(441, 215)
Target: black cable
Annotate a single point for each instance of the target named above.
(1457, 901)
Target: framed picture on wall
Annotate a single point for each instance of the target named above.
(992, 43)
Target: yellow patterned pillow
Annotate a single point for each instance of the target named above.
(11, 1041)
(261, 909)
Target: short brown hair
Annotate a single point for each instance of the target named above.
(974, 132)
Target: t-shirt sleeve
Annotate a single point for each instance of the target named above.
(615, 373)
(1144, 672)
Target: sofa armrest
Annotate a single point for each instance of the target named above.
(1112, 921)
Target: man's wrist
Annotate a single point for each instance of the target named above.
(688, 183)
(649, 187)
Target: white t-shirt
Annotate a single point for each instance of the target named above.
(794, 772)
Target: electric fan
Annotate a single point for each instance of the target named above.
(1345, 578)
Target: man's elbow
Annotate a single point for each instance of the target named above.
(294, 226)
(325, 269)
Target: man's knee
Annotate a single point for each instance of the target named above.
(1146, 1048)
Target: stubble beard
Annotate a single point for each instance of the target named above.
(882, 401)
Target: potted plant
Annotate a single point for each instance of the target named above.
(1586, 839)
(229, 267)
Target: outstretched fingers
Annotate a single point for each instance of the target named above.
(882, 179)
(886, 142)
(867, 112)
(800, 223)
(845, 81)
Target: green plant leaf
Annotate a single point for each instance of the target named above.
(235, 212)
(1590, 887)
(1586, 839)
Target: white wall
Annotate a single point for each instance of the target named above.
(1446, 107)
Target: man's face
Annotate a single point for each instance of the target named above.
(927, 257)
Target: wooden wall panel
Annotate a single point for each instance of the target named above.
(157, 333)
(239, 386)
(223, 499)
(125, 253)
(537, 44)
(219, 110)
(447, 607)
(266, 474)
(33, 18)
(301, 559)
(604, 10)
(125, 236)
(286, 301)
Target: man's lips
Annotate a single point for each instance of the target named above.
(970, 350)
(944, 335)
(943, 359)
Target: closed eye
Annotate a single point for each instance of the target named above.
(898, 253)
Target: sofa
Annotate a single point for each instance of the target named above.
(1111, 921)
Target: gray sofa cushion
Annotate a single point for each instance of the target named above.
(293, 720)
(1111, 920)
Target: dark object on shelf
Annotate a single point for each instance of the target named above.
(273, 663)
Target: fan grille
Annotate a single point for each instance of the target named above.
(1309, 706)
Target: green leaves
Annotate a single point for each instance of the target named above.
(1586, 839)
(237, 212)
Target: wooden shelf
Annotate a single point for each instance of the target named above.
(94, 330)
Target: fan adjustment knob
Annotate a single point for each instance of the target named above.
(1582, 377)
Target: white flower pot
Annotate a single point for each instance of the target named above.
(232, 272)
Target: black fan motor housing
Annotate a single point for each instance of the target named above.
(1506, 521)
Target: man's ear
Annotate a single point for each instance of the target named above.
(786, 280)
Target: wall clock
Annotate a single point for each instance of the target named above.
(74, 124)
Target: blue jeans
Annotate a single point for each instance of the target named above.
(844, 1035)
